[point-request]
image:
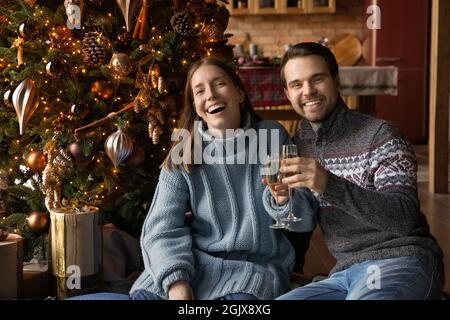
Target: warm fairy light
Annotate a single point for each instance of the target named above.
(83, 70)
(46, 81)
(183, 62)
(17, 141)
(163, 149)
(58, 99)
(10, 170)
(102, 186)
(115, 171)
(71, 182)
(47, 130)
(85, 193)
(103, 197)
(109, 14)
(60, 91)
(98, 160)
(96, 196)
(117, 188)
(16, 158)
(103, 133)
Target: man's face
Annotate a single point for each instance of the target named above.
(311, 89)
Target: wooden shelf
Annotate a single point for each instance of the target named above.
(261, 7)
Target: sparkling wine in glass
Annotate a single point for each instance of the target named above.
(290, 151)
(272, 175)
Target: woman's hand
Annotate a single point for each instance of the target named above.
(279, 191)
(181, 290)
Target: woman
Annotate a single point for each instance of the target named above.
(227, 251)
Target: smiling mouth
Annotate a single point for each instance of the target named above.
(311, 103)
(216, 108)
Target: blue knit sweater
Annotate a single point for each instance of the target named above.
(228, 247)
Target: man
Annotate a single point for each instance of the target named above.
(363, 174)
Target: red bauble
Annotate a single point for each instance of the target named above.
(76, 151)
(137, 157)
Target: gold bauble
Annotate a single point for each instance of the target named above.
(121, 64)
(36, 161)
(37, 221)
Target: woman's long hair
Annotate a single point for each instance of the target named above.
(189, 115)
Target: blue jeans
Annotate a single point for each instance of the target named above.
(146, 295)
(404, 278)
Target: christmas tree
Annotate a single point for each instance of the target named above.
(92, 90)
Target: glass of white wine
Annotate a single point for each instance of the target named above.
(272, 175)
(289, 151)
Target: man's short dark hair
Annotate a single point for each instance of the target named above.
(305, 49)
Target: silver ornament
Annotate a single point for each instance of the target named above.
(7, 96)
(118, 147)
(121, 64)
(128, 8)
(25, 100)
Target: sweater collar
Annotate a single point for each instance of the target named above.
(332, 124)
(228, 156)
(203, 130)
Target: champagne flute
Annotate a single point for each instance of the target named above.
(290, 151)
(271, 173)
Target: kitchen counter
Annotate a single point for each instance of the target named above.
(264, 85)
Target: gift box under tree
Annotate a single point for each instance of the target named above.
(76, 247)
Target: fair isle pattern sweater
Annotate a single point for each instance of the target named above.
(370, 208)
(228, 247)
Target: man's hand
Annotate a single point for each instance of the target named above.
(304, 172)
(181, 290)
(279, 191)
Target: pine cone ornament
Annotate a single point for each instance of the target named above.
(158, 114)
(157, 132)
(213, 31)
(94, 50)
(183, 23)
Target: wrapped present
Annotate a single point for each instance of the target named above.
(36, 282)
(11, 253)
(76, 247)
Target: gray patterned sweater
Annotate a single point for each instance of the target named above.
(370, 208)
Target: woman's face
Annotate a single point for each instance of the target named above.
(216, 99)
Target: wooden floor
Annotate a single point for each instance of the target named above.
(436, 208)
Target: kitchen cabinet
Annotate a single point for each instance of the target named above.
(257, 7)
(403, 42)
